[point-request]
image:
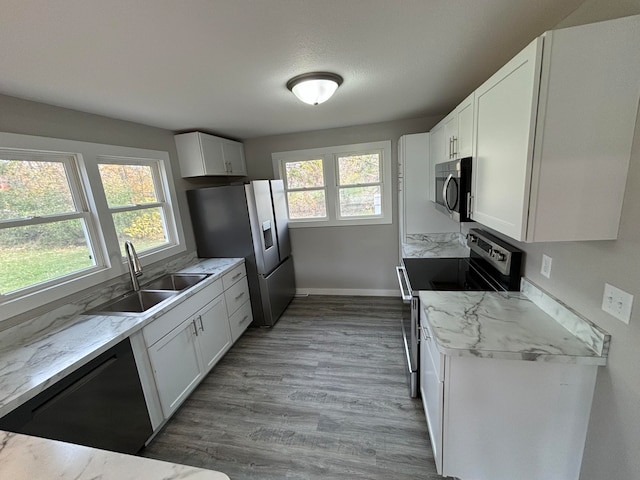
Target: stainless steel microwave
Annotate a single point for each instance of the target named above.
(453, 188)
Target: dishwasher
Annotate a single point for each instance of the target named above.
(99, 405)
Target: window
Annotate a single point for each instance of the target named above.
(66, 208)
(45, 224)
(343, 185)
(359, 185)
(306, 192)
(135, 197)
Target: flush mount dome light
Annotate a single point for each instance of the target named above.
(314, 88)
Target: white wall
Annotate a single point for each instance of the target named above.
(359, 260)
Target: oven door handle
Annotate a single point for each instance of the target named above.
(401, 272)
(445, 187)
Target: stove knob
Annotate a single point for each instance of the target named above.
(472, 238)
(499, 256)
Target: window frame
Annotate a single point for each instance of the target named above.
(329, 156)
(110, 262)
(71, 164)
(160, 183)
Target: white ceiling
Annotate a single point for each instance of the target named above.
(222, 65)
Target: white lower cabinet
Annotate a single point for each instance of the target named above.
(432, 393)
(494, 419)
(176, 366)
(185, 355)
(186, 342)
(236, 295)
(214, 333)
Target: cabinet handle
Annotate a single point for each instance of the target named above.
(195, 328)
(201, 324)
(455, 146)
(239, 296)
(244, 319)
(237, 275)
(450, 147)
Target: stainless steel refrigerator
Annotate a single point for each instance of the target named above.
(249, 221)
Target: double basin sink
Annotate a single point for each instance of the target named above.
(150, 295)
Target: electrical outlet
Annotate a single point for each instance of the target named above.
(546, 266)
(617, 302)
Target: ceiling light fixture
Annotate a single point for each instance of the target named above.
(314, 88)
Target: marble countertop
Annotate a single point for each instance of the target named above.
(23, 457)
(37, 353)
(29, 364)
(491, 325)
(435, 245)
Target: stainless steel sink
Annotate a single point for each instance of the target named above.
(176, 281)
(135, 302)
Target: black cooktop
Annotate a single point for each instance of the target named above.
(492, 265)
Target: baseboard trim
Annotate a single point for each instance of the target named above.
(360, 292)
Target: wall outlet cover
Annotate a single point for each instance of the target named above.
(617, 302)
(546, 266)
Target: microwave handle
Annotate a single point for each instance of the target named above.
(445, 187)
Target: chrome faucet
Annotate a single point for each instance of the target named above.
(135, 268)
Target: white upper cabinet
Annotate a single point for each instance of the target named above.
(464, 140)
(458, 131)
(553, 135)
(505, 110)
(201, 154)
(438, 151)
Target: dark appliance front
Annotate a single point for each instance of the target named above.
(492, 265)
(249, 221)
(453, 188)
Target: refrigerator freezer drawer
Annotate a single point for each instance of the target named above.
(276, 291)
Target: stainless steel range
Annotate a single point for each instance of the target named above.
(492, 265)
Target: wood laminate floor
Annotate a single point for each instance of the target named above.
(322, 395)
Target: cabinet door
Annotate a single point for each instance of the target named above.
(464, 141)
(505, 109)
(436, 153)
(432, 393)
(214, 334)
(233, 153)
(176, 366)
(213, 155)
(451, 135)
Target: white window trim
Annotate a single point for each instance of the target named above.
(329, 157)
(109, 263)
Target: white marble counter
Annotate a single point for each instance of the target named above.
(490, 325)
(23, 457)
(435, 245)
(36, 354)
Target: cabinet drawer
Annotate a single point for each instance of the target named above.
(236, 295)
(240, 320)
(171, 319)
(229, 278)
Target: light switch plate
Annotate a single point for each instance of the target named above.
(617, 302)
(546, 266)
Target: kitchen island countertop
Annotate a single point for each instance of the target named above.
(23, 457)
